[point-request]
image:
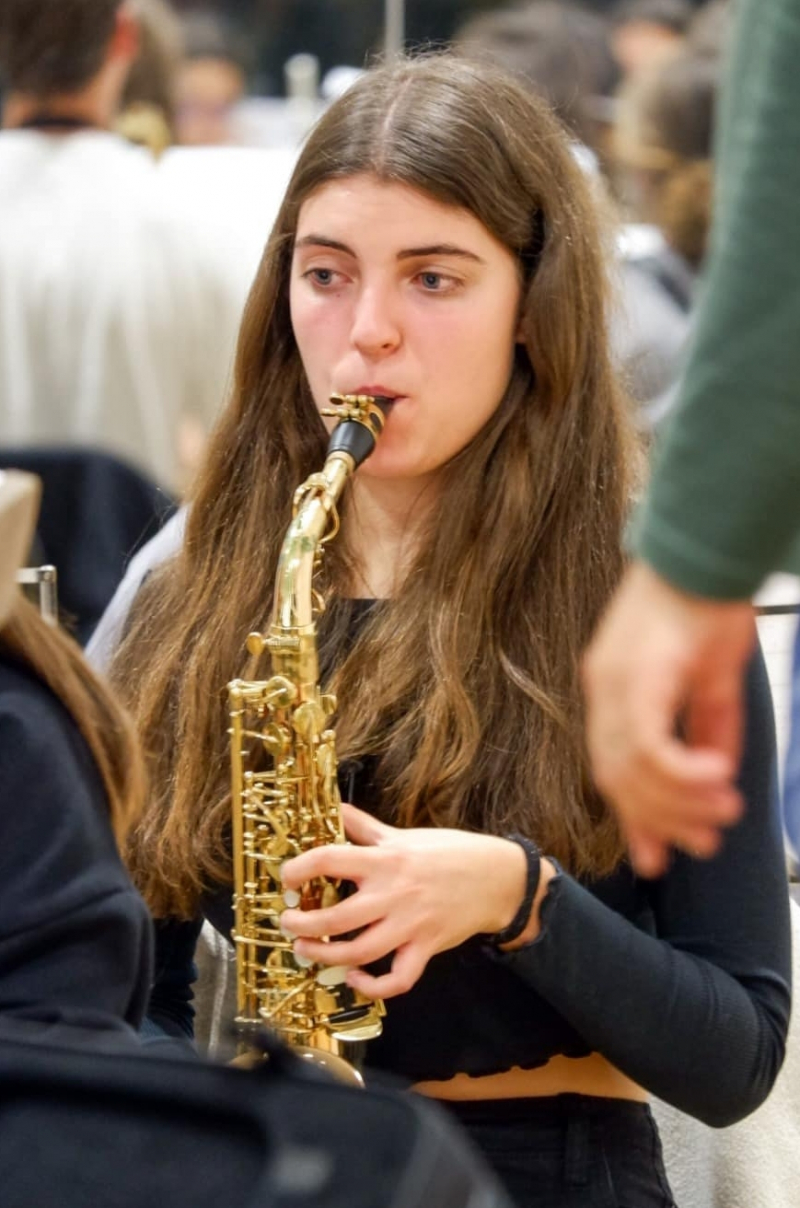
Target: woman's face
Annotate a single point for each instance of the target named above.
(395, 293)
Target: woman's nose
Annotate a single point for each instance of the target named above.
(376, 326)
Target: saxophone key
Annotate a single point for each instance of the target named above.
(255, 643)
(309, 720)
(332, 975)
(290, 935)
(279, 692)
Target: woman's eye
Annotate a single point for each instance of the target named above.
(436, 283)
(321, 276)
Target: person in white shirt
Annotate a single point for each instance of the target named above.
(115, 322)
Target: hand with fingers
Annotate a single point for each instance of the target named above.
(664, 686)
(418, 892)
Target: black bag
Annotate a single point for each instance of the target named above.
(104, 1127)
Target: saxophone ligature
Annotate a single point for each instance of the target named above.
(284, 780)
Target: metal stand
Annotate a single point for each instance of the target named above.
(46, 579)
(395, 34)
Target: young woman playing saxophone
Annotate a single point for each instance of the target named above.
(438, 245)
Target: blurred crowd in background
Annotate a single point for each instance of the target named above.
(127, 252)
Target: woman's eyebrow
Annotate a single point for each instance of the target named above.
(323, 241)
(411, 253)
(439, 249)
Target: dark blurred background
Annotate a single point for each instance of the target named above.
(336, 31)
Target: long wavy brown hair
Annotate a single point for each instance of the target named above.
(57, 661)
(465, 686)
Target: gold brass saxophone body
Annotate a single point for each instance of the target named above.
(284, 779)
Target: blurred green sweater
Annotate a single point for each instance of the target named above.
(723, 510)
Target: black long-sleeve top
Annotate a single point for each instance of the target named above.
(681, 982)
(75, 937)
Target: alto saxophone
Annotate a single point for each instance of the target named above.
(284, 772)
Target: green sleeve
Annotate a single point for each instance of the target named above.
(723, 509)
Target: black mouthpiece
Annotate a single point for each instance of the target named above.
(359, 430)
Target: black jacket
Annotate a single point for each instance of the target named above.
(75, 937)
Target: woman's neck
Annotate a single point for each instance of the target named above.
(383, 529)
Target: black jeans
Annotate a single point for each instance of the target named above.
(570, 1151)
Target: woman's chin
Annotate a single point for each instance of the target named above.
(397, 470)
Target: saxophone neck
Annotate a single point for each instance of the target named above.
(315, 521)
(316, 518)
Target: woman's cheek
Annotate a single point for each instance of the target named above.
(322, 320)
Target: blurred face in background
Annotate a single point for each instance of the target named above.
(208, 89)
(638, 45)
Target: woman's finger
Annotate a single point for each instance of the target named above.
(650, 855)
(337, 861)
(669, 768)
(377, 941)
(351, 914)
(362, 828)
(407, 968)
(664, 813)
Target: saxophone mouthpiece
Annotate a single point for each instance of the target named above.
(361, 417)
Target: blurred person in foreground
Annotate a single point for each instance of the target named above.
(110, 323)
(664, 675)
(75, 937)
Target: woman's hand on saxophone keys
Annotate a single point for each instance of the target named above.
(418, 892)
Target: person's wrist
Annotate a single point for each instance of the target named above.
(514, 920)
(547, 873)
